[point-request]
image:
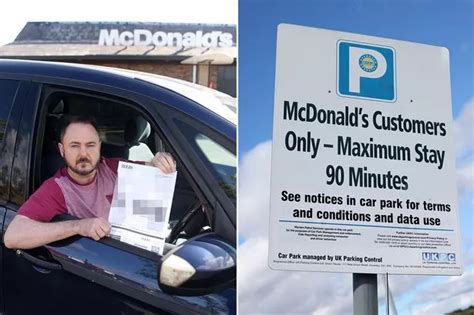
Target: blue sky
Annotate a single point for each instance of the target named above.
(440, 23)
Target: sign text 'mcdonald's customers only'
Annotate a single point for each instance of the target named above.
(363, 174)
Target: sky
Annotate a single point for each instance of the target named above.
(441, 23)
(15, 14)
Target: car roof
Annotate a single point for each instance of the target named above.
(217, 102)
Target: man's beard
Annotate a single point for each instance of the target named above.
(76, 169)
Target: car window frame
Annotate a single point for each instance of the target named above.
(218, 195)
(46, 89)
(198, 150)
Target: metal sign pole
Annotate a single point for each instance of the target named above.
(364, 289)
(387, 295)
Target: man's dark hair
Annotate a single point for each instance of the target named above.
(66, 120)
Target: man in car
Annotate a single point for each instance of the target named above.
(83, 187)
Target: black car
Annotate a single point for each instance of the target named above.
(79, 275)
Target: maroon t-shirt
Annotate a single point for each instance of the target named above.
(62, 194)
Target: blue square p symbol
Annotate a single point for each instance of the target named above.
(366, 71)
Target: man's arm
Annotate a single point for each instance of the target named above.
(25, 233)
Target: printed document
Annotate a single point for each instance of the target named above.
(141, 206)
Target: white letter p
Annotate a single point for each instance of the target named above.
(364, 63)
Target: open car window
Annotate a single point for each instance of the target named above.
(125, 133)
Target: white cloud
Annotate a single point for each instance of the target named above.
(266, 291)
(455, 292)
(464, 130)
(468, 249)
(424, 295)
(401, 284)
(457, 285)
(254, 191)
(262, 290)
(464, 141)
(465, 178)
(445, 306)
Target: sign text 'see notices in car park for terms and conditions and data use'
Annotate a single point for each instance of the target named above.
(363, 175)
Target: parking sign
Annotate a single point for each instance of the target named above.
(363, 162)
(366, 71)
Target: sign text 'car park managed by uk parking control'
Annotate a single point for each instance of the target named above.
(363, 176)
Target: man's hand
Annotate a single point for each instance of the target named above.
(165, 162)
(95, 228)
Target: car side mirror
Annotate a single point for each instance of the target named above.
(202, 265)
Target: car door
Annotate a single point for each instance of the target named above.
(54, 286)
(12, 95)
(79, 275)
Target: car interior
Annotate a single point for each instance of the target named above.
(124, 133)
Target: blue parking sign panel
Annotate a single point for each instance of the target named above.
(366, 71)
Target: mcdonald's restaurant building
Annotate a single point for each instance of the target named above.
(205, 54)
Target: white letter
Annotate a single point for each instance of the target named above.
(206, 40)
(372, 66)
(215, 38)
(178, 37)
(159, 39)
(189, 39)
(226, 40)
(199, 39)
(138, 40)
(106, 39)
(126, 38)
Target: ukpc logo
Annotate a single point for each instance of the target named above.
(366, 71)
(435, 257)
